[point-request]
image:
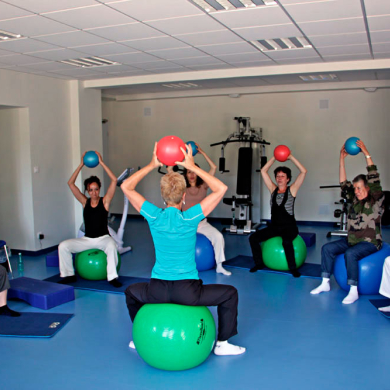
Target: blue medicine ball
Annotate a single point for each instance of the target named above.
(351, 147)
(370, 271)
(204, 253)
(91, 159)
(193, 147)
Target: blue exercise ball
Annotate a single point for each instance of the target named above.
(193, 147)
(204, 253)
(370, 271)
(351, 147)
(91, 159)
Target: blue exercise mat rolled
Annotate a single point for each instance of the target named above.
(246, 262)
(100, 285)
(33, 324)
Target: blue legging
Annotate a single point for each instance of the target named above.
(352, 254)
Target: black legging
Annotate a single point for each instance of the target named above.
(287, 234)
(190, 292)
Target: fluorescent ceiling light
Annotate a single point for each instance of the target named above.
(289, 43)
(319, 77)
(228, 5)
(89, 62)
(7, 35)
(181, 85)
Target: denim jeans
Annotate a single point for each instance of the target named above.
(352, 254)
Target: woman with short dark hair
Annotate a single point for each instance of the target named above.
(283, 221)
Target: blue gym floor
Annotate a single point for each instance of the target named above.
(293, 340)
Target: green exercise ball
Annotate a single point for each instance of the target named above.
(92, 264)
(174, 337)
(274, 256)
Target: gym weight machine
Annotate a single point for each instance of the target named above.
(243, 200)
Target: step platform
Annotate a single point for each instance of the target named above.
(309, 238)
(39, 293)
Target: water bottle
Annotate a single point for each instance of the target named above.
(20, 265)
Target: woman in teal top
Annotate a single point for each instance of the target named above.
(175, 277)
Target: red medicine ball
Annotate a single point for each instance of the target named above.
(168, 150)
(281, 153)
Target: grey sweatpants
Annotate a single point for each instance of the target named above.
(4, 282)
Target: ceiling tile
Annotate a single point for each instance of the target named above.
(5, 52)
(342, 26)
(380, 36)
(171, 54)
(352, 57)
(327, 10)
(131, 58)
(339, 39)
(90, 17)
(356, 76)
(72, 39)
(77, 71)
(186, 25)
(377, 7)
(152, 9)
(8, 11)
(339, 50)
(210, 38)
(197, 61)
(251, 64)
(292, 61)
(211, 67)
(39, 6)
(376, 23)
(158, 43)
(268, 32)
(381, 47)
(152, 66)
(377, 56)
(58, 55)
(49, 66)
(105, 49)
(32, 26)
(252, 17)
(229, 48)
(286, 2)
(25, 45)
(179, 69)
(294, 53)
(20, 59)
(126, 32)
(241, 57)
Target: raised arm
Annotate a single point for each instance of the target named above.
(342, 173)
(266, 177)
(112, 187)
(129, 185)
(213, 167)
(301, 177)
(71, 183)
(210, 202)
(373, 179)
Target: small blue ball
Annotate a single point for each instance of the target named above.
(193, 147)
(351, 147)
(91, 159)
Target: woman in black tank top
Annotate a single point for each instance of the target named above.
(95, 219)
(283, 222)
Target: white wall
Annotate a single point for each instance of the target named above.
(314, 135)
(16, 208)
(54, 115)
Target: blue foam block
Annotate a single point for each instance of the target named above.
(39, 293)
(52, 259)
(309, 238)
